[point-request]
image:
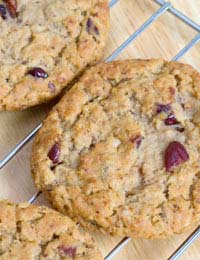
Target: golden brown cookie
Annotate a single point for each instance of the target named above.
(45, 44)
(120, 151)
(30, 232)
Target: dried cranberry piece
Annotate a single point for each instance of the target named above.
(171, 120)
(96, 30)
(69, 251)
(137, 140)
(172, 90)
(89, 23)
(51, 86)
(163, 108)
(175, 154)
(38, 73)
(54, 153)
(12, 7)
(91, 28)
(3, 12)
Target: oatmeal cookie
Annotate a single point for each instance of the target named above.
(37, 233)
(45, 44)
(120, 151)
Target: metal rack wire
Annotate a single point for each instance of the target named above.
(164, 7)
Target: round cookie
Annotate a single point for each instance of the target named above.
(45, 44)
(37, 233)
(120, 151)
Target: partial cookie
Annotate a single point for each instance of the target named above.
(45, 44)
(120, 151)
(37, 233)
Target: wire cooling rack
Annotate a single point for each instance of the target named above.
(164, 7)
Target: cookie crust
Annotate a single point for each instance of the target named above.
(60, 37)
(111, 134)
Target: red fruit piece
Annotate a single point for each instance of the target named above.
(54, 153)
(137, 140)
(38, 73)
(68, 251)
(172, 90)
(91, 28)
(51, 86)
(163, 108)
(171, 120)
(12, 7)
(175, 154)
(3, 12)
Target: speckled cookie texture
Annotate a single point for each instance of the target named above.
(120, 151)
(45, 44)
(38, 233)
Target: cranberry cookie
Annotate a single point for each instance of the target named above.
(37, 233)
(120, 151)
(45, 44)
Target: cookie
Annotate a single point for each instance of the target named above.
(120, 151)
(37, 233)
(45, 44)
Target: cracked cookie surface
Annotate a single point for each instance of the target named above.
(37, 233)
(45, 45)
(120, 151)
